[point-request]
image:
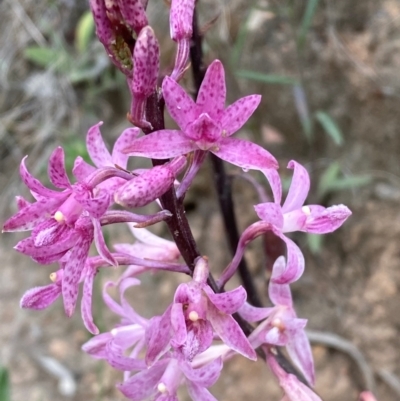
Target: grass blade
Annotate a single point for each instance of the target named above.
(330, 127)
(84, 32)
(4, 385)
(308, 16)
(272, 79)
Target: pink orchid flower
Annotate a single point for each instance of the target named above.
(195, 317)
(292, 216)
(207, 126)
(281, 326)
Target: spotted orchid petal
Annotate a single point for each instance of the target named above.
(227, 302)
(181, 19)
(146, 59)
(48, 254)
(270, 212)
(180, 105)
(21, 202)
(96, 207)
(299, 350)
(323, 221)
(104, 29)
(118, 360)
(143, 384)
(56, 169)
(32, 214)
(97, 148)
(295, 261)
(162, 144)
(235, 116)
(199, 393)
(86, 303)
(145, 188)
(50, 233)
(41, 297)
(36, 186)
(244, 154)
(294, 389)
(100, 243)
(254, 314)
(212, 93)
(298, 189)
(230, 332)
(133, 14)
(72, 273)
(81, 169)
(178, 324)
(96, 346)
(118, 157)
(279, 294)
(274, 180)
(159, 333)
(205, 376)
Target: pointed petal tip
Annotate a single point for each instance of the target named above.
(69, 310)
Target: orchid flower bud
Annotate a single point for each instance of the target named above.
(181, 22)
(133, 13)
(117, 22)
(146, 60)
(295, 390)
(150, 185)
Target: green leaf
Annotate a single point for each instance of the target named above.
(308, 16)
(300, 100)
(240, 41)
(43, 56)
(74, 147)
(274, 79)
(329, 176)
(351, 182)
(4, 385)
(84, 32)
(330, 126)
(314, 242)
(330, 180)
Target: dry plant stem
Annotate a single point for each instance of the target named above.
(341, 344)
(390, 379)
(222, 181)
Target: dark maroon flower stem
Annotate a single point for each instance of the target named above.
(222, 181)
(178, 224)
(224, 189)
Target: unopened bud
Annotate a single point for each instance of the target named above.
(117, 23)
(145, 188)
(181, 19)
(201, 271)
(149, 186)
(146, 60)
(181, 27)
(134, 14)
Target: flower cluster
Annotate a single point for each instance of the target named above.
(204, 325)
